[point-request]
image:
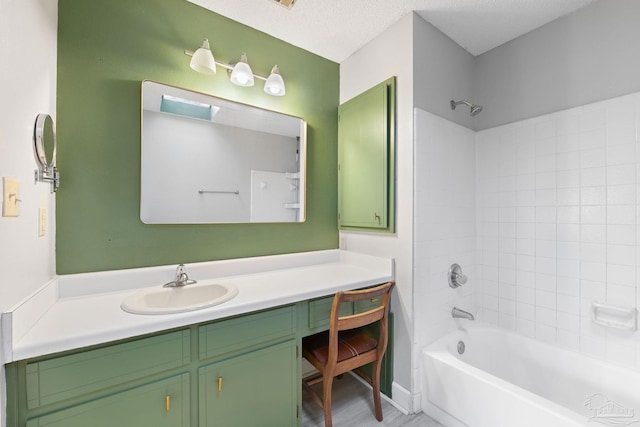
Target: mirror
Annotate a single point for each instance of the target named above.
(44, 145)
(210, 160)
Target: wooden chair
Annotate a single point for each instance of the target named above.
(346, 346)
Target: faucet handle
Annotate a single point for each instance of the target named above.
(456, 278)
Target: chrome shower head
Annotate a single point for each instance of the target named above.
(475, 109)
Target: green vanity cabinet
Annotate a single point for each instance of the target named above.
(366, 160)
(259, 388)
(165, 379)
(163, 403)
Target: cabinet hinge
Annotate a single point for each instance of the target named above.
(297, 352)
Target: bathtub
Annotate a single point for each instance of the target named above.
(505, 379)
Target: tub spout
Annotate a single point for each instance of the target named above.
(461, 314)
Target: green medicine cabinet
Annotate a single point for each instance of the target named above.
(366, 160)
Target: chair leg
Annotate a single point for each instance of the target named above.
(327, 385)
(375, 383)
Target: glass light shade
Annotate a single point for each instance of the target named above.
(275, 84)
(202, 60)
(242, 74)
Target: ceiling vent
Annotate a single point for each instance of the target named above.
(286, 3)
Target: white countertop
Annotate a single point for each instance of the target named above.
(64, 315)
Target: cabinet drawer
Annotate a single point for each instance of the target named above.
(227, 336)
(320, 310)
(139, 407)
(75, 375)
(365, 305)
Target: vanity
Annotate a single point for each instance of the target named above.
(78, 359)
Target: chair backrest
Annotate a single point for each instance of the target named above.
(379, 313)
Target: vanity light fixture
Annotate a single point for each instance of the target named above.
(202, 61)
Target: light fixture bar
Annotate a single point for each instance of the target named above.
(274, 84)
(228, 67)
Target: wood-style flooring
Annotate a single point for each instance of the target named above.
(352, 406)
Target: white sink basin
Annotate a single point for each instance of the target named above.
(179, 299)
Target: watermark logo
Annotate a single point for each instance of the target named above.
(606, 411)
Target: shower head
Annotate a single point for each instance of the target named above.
(475, 108)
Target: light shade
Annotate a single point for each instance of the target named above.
(202, 60)
(274, 84)
(242, 74)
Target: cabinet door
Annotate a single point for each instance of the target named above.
(366, 167)
(145, 406)
(255, 389)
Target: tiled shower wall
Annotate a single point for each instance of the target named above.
(444, 223)
(557, 225)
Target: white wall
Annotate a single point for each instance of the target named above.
(444, 224)
(390, 54)
(408, 50)
(558, 224)
(28, 43)
(588, 56)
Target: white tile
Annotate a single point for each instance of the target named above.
(568, 196)
(593, 252)
(548, 197)
(569, 322)
(593, 139)
(507, 306)
(621, 194)
(546, 214)
(621, 154)
(593, 177)
(568, 250)
(593, 195)
(546, 265)
(621, 134)
(507, 276)
(525, 311)
(593, 214)
(623, 296)
(544, 130)
(568, 304)
(526, 230)
(568, 214)
(568, 161)
(621, 214)
(621, 352)
(568, 268)
(526, 263)
(545, 231)
(546, 248)
(592, 118)
(568, 232)
(546, 163)
(546, 299)
(526, 246)
(525, 198)
(592, 291)
(621, 254)
(593, 271)
(621, 234)
(593, 233)
(546, 180)
(526, 214)
(525, 295)
(545, 316)
(620, 175)
(592, 158)
(568, 178)
(568, 286)
(546, 282)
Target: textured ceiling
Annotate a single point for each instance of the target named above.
(335, 29)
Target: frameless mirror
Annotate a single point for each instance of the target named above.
(210, 160)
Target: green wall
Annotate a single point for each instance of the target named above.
(105, 50)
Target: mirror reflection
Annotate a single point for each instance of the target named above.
(210, 160)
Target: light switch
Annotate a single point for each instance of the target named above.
(11, 197)
(42, 222)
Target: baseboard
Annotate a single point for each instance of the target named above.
(441, 416)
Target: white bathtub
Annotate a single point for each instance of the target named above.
(504, 379)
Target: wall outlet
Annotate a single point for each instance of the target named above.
(11, 197)
(42, 222)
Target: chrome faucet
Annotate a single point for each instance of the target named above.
(181, 279)
(461, 314)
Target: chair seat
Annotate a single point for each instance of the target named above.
(351, 343)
